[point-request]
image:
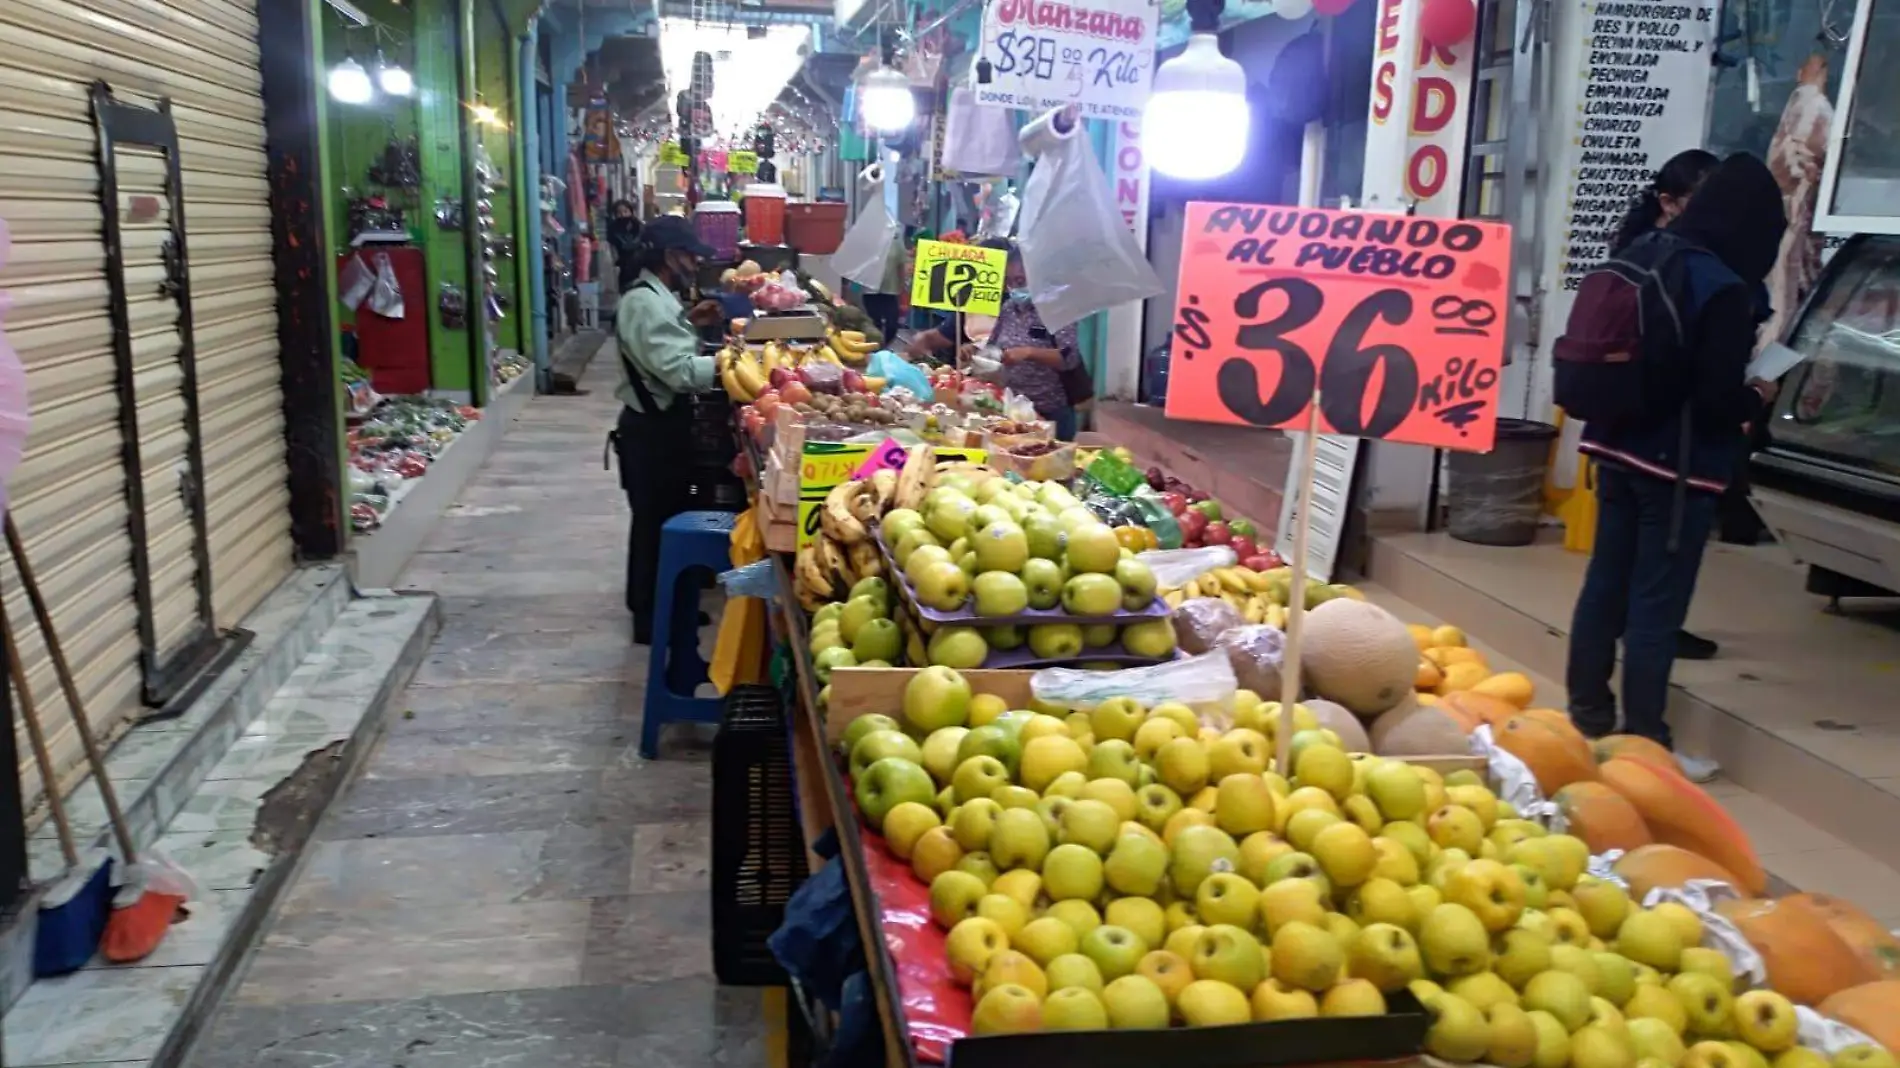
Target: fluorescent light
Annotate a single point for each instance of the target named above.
(748, 72)
(1197, 119)
(392, 79)
(886, 100)
(349, 82)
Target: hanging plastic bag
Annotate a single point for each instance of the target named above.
(1078, 252)
(385, 297)
(978, 139)
(1203, 683)
(873, 245)
(355, 283)
(1000, 208)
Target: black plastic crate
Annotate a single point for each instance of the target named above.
(758, 846)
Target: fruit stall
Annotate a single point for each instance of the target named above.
(1041, 717)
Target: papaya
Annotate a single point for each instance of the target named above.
(1806, 961)
(1556, 759)
(1679, 813)
(1636, 747)
(1560, 722)
(1603, 818)
(1479, 708)
(1654, 865)
(1868, 937)
(1873, 1009)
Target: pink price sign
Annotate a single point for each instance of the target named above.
(889, 456)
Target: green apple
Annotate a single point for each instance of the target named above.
(1044, 939)
(957, 647)
(992, 740)
(1072, 970)
(1055, 641)
(1114, 759)
(1231, 955)
(1043, 536)
(857, 612)
(1182, 765)
(878, 639)
(1226, 898)
(1092, 548)
(1043, 579)
(977, 777)
(1019, 840)
(1561, 994)
(999, 593)
(1047, 758)
(954, 896)
(1454, 941)
(1073, 873)
(1090, 823)
(948, 516)
(1197, 852)
(877, 745)
(940, 752)
(1522, 954)
(1091, 594)
(1706, 1001)
(943, 586)
(1005, 638)
(936, 697)
(873, 586)
(1115, 950)
(1137, 581)
(889, 782)
(898, 522)
(1008, 1009)
(1096, 635)
(1136, 865)
(827, 660)
(863, 725)
(1386, 956)
(1135, 1003)
(1074, 1009)
(973, 822)
(985, 515)
(1152, 638)
(827, 613)
(1155, 805)
(1001, 546)
(904, 550)
(1117, 718)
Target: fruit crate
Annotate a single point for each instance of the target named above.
(758, 848)
(1157, 609)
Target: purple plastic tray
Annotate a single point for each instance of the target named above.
(1157, 609)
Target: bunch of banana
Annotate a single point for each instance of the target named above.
(883, 486)
(818, 573)
(775, 356)
(917, 478)
(740, 373)
(822, 353)
(849, 510)
(851, 346)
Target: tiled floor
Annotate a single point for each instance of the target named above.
(1798, 706)
(507, 884)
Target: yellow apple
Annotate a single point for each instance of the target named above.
(1274, 1000)
(1385, 955)
(970, 946)
(1074, 969)
(1307, 957)
(1212, 1003)
(1243, 805)
(1007, 1010)
(1006, 911)
(1010, 966)
(1074, 1009)
(1492, 892)
(1353, 997)
(1766, 1020)
(1134, 1003)
(1454, 942)
(1168, 971)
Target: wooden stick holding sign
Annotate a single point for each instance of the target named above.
(1296, 598)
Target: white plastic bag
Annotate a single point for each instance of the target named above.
(385, 297)
(1174, 568)
(1204, 683)
(1078, 252)
(871, 253)
(356, 281)
(978, 139)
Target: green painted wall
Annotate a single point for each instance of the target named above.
(495, 85)
(439, 121)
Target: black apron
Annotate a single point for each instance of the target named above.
(658, 487)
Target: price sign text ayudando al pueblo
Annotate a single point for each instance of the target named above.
(1397, 323)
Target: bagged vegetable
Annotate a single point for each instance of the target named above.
(1256, 651)
(1200, 622)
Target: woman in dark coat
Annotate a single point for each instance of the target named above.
(623, 233)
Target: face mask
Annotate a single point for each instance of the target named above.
(1020, 293)
(684, 267)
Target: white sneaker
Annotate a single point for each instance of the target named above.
(1697, 769)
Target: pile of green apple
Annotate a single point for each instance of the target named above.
(859, 632)
(1130, 867)
(1002, 548)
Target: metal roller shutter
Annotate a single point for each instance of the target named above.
(70, 493)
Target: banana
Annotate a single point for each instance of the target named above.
(832, 559)
(837, 518)
(824, 354)
(773, 356)
(874, 384)
(854, 341)
(749, 375)
(811, 582)
(1257, 581)
(865, 560)
(1207, 585)
(1256, 611)
(1231, 581)
(1234, 601)
(1276, 616)
(884, 485)
(917, 478)
(863, 504)
(1173, 598)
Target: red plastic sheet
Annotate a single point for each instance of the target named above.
(936, 1009)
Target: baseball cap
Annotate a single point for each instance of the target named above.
(669, 232)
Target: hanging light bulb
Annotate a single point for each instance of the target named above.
(349, 82)
(1197, 120)
(886, 100)
(391, 78)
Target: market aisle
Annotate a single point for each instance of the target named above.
(508, 884)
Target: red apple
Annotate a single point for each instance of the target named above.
(1192, 525)
(1261, 562)
(1242, 545)
(1176, 502)
(1217, 534)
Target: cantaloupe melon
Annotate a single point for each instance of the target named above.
(1557, 759)
(1873, 1009)
(1601, 817)
(1359, 655)
(1651, 866)
(1334, 717)
(1414, 730)
(1867, 937)
(1806, 961)
(1679, 813)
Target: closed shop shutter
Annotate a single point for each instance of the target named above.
(69, 493)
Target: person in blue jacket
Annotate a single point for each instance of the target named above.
(1661, 473)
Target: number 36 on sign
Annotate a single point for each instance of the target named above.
(1395, 324)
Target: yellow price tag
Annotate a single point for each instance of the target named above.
(671, 155)
(958, 278)
(742, 162)
(826, 464)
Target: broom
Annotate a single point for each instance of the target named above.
(73, 909)
(140, 915)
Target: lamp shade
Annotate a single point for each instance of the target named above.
(349, 83)
(1197, 120)
(885, 100)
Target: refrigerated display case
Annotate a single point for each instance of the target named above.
(1828, 481)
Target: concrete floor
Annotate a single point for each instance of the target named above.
(508, 885)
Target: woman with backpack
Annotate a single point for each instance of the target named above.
(1654, 359)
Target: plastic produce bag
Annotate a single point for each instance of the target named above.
(1256, 652)
(1174, 568)
(385, 297)
(898, 373)
(976, 139)
(1078, 252)
(752, 580)
(1515, 782)
(1200, 621)
(871, 253)
(355, 283)
(1200, 682)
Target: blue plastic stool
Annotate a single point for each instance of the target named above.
(689, 542)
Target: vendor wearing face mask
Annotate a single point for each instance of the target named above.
(660, 363)
(1034, 357)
